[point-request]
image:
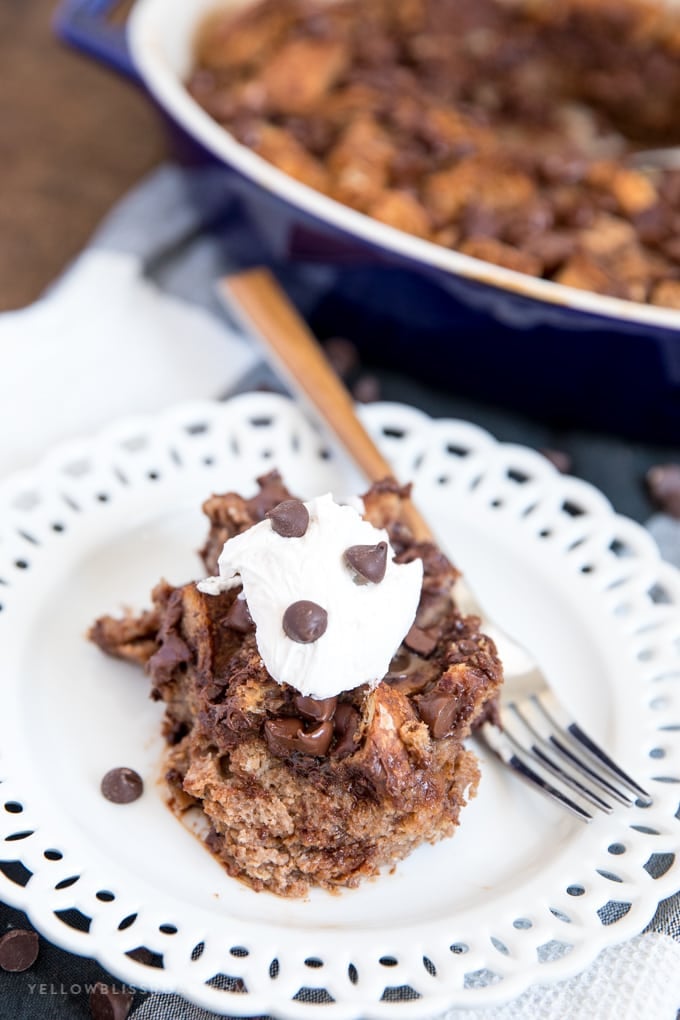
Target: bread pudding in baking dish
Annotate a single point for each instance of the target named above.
(501, 130)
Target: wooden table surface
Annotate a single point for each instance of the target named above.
(73, 137)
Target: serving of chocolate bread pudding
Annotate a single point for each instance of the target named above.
(306, 780)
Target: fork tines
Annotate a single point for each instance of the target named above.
(545, 747)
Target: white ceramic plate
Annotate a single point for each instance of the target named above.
(522, 893)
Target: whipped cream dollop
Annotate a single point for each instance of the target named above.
(327, 617)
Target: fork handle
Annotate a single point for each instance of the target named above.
(265, 311)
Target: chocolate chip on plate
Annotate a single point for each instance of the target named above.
(18, 950)
(305, 621)
(663, 485)
(289, 518)
(109, 1003)
(122, 785)
(369, 561)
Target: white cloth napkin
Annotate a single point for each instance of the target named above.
(105, 342)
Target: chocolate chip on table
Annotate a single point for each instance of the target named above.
(663, 485)
(18, 950)
(342, 354)
(305, 621)
(366, 389)
(122, 785)
(368, 561)
(109, 1003)
(289, 519)
(559, 459)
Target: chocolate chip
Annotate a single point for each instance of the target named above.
(305, 621)
(318, 25)
(369, 561)
(18, 950)
(671, 247)
(553, 248)
(122, 785)
(401, 535)
(420, 641)
(407, 167)
(174, 730)
(289, 519)
(109, 1003)
(438, 711)
(271, 492)
(174, 777)
(434, 607)
(413, 683)
(318, 709)
(663, 485)
(652, 224)
(366, 389)
(281, 734)
(559, 459)
(342, 354)
(401, 663)
(246, 127)
(346, 723)
(480, 221)
(284, 736)
(317, 741)
(408, 683)
(173, 653)
(563, 168)
(238, 617)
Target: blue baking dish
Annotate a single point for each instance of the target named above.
(567, 356)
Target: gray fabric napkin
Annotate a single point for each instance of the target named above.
(182, 235)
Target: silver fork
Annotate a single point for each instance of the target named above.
(538, 738)
(541, 742)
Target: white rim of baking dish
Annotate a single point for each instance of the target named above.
(161, 34)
